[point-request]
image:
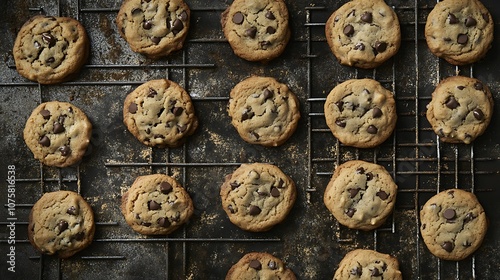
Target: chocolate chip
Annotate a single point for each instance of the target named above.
(372, 129)
(360, 170)
(460, 87)
(383, 195)
(50, 60)
(165, 187)
(183, 16)
(146, 224)
(348, 30)
(369, 176)
(72, 210)
(177, 26)
(163, 222)
(265, 44)
(478, 114)
(45, 114)
(261, 193)
(462, 39)
(58, 128)
(147, 24)
(79, 236)
(62, 226)
(177, 111)
(452, 19)
(231, 209)
(238, 18)
(272, 265)
(478, 86)
(255, 134)
(136, 11)
(267, 94)
(354, 192)
(469, 217)
(153, 205)
(375, 272)
(270, 30)
(340, 105)
(270, 15)
(132, 108)
(341, 123)
(470, 21)
(44, 141)
(377, 113)
(280, 183)
(156, 40)
(234, 185)
(65, 150)
(448, 246)
(486, 17)
(380, 47)
(356, 271)
(359, 46)
(452, 103)
(152, 93)
(367, 17)
(247, 114)
(181, 127)
(49, 39)
(255, 264)
(275, 192)
(254, 210)
(449, 214)
(352, 13)
(350, 212)
(251, 32)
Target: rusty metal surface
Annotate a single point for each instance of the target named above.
(310, 241)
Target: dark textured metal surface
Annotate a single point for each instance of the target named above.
(309, 241)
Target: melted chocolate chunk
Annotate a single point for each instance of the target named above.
(65, 150)
(383, 195)
(462, 39)
(72, 210)
(132, 108)
(181, 127)
(254, 210)
(44, 141)
(49, 39)
(341, 123)
(350, 212)
(270, 15)
(165, 187)
(360, 170)
(152, 93)
(377, 113)
(255, 264)
(238, 18)
(375, 272)
(267, 94)
(359, 46)
(452, 19)
(177, 111)
(280, 183)
(340, 105)
(275, 192)
(470, 21)
(460, 87)
(452, 103)
(231, 209)
(146, 224)
(478, 86)
(372, 129)
(270, 30)
(348, 30)
(62, 226)
(183, 16)
(153, 205)
(354, 192)
(478, 114)
(58, 128)
(251, 32)
(486, 17)
(356, 271)
(265, 44)
(163, 222)
(156, 40)
(367, 17)
(247, 114)
(79, 236)
(255, 134)
(469, 217)
(234, 185)
(177, 26)
(447, 246)
(45, 114)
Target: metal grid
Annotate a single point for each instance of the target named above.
(418, 162)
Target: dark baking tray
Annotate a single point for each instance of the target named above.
(310, 241)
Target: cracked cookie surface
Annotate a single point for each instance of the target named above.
(257, 196)
(360, 195)
(363, 33)
(460, 110)
(154, 28)
(257, 265)
(460, 31)
(159, 113)
(58, 133)
(256, 30)
(453, 224)
(156, 204)
(263, 111)
(368, 264)
(50, 50)
(360, 113)
(61, 223)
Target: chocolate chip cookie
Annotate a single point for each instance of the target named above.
(258, 265)
(257, 196)
(360, 195)
(154, 28)
(368, 264)
(460, 110)
(61, 223)
(256, 30)
(58, 133)
(453, 224)
(156, 204)
(361, 113)
(50, 50)
(460, 31)
(159, 113)
(263, 111)
(363, 33)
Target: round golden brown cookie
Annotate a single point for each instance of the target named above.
(257, 196)
(156, 204)
(361, 113)
(460, 31)
(159, 113)
(368, 264)
(50, 50)
(258, 265)
(363, 33)
(453, 224)
(263, 111)
(460, 110)
(154, 28)
(61, 223)
(58, 133)
(360, 195)
(256, 30)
